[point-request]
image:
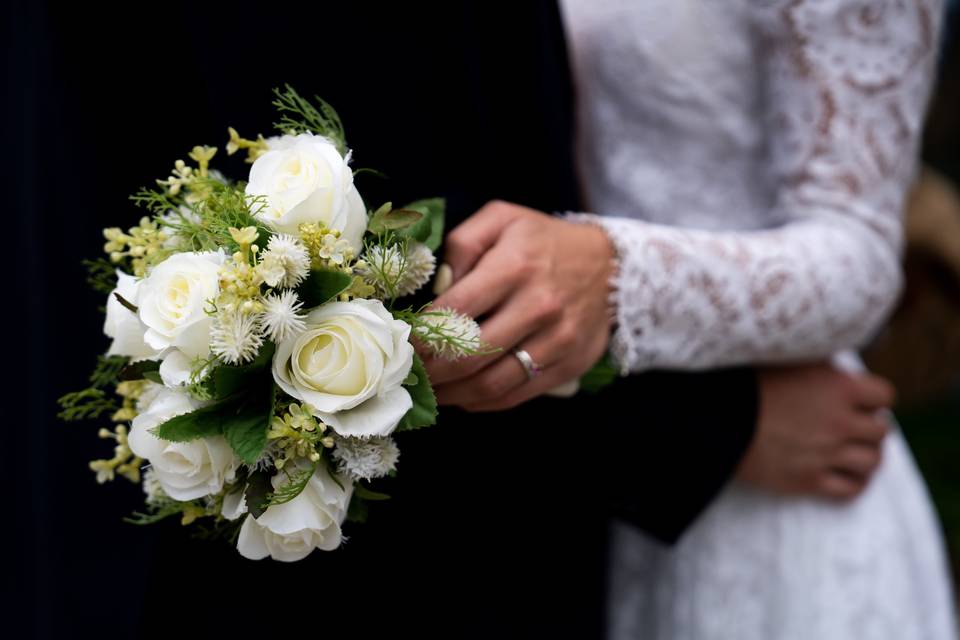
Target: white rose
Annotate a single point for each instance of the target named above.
(349, 365)
(305, 179)
(289, 532)
(173, 301)
(124, 325)
(185, 470)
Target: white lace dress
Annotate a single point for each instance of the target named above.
(750, 159)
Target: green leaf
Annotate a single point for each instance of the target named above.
(296, 484)
(386, 218)
(400, 219)
(322, 285)
(368, 494)
(357, 511)
(429, 229)
(424, 410)
(246, 427)
(601, 375)
(204, 422)
(228, 380)
(243, 419)
(153, 376)
(256, 492)
(375, 225)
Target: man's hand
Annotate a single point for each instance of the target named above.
(535, 282)
(820, 431)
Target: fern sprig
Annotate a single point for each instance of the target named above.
(295, 485)
(93, 402)
(101, 275)
(85, 404)
(298, 115)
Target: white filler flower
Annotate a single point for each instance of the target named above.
(305, 179)
(349, 366)
(366, 458)
(387, 268)
(235, 337)
(448, 333)
(291, 531)
(281, 317)
(185, 470)
(285, 263)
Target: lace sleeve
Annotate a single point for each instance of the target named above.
(845, 89)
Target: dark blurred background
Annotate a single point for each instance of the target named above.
(99, 101)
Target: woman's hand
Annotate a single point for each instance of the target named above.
(820, 431)
(536, 283)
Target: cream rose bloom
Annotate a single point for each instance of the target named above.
(305, 179)
(123, 325)
(289, 532)
(185, 470)
(172, 304)
(349, 365)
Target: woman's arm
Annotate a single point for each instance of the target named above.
(843, 139)
(846, 87)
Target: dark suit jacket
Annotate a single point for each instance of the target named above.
(498, 522)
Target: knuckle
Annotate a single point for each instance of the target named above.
(461, 242)
(495, 205)
(566, 335)
(524, 265)
(549, 305)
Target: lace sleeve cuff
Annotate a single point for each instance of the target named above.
(619, 336)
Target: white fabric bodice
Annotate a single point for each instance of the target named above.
(750, 160)
(786, 129)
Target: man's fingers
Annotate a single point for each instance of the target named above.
(483, 288)
(469, 240)
(491, 383)
(513, 321)
(494, 382)
(556, 372)
(868, 428)
(549, 379)
(858, 459)
(840, 486)
(873, 392)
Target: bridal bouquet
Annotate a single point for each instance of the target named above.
(260, 364)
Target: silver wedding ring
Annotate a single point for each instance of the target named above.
(529, 365)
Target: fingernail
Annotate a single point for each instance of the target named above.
(444, 279)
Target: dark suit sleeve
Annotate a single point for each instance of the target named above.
(673, 439)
